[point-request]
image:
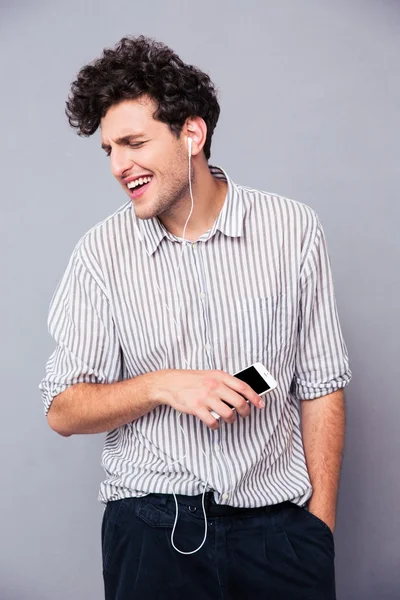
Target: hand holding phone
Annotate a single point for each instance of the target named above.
(199, 392)
(258, 378)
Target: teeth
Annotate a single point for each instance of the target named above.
(132, 184)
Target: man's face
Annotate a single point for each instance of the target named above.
(141, 147)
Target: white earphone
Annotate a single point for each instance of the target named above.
(140, 236)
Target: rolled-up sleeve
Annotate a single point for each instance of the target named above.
(80, 321)
(322, 364)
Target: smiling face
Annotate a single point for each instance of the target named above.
(147, 159)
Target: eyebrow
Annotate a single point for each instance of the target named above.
(123, 141)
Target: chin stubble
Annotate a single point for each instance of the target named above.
(169, 202)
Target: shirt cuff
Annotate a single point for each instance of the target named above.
(306, 390)
(50, 391)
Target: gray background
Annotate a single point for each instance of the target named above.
(310, 100)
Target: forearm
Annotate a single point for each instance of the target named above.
(323, 427)
(96, 408)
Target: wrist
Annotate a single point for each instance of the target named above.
(324, 511)
(154, 393)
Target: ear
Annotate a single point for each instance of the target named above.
(196, 129)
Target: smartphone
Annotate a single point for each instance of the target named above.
(258, 378)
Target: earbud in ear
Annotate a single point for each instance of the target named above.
(190, 142)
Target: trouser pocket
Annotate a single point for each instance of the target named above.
(303, 549)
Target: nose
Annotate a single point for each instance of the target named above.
(120, 161)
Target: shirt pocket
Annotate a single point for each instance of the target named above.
(261, 326)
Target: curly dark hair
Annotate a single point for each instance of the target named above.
(139, 66)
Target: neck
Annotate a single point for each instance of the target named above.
(209, 196)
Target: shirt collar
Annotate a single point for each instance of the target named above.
(228, 222)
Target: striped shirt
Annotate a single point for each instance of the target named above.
(256, 287)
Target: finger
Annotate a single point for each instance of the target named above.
(223, 410)
(207, 418)
(244, 390)
(236, 401)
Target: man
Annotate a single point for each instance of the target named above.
(192, 280)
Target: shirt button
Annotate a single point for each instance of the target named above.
(208, 347)
(202, 295)
(217, 448)
(225, 496)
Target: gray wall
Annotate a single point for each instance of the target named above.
(310, 99)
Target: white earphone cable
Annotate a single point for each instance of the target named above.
(184, 243)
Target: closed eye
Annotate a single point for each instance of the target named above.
(133, 145)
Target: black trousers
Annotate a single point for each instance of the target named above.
(281, 552)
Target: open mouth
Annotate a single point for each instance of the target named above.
(138, 187)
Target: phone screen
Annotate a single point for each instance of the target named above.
(253, 378)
